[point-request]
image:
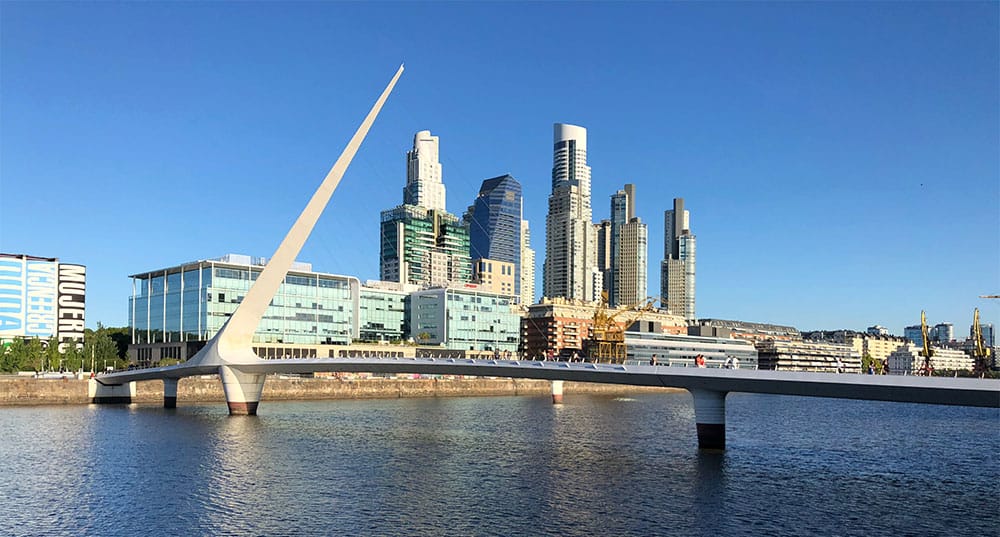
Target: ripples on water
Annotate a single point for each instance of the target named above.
(501, 466)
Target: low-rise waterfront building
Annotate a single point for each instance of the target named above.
(743, 330)
(878, 347)
(384, 311)
(174, 311)
(562, 326)
(908, 360)
(43, 298)
(807, 356)
(680, 350)
(464, 317)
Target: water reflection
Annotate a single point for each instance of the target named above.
(498, 466)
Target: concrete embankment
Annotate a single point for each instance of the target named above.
(30, 391)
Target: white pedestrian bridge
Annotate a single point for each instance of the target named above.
(708, 386)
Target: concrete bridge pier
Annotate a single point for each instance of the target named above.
(242, 390)
(110, 394)
(710, 418)
(170, 393)
(557, 392)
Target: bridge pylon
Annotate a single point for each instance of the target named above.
(170, 392)
(710, 418)
(242, 390)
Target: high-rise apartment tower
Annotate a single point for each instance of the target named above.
(677, 268)
(570, 268)
(527, 266)
(629, 256)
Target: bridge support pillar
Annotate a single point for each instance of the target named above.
(170, 393)
(242, 390)
(557, 392)
(110, 394)
(710, 418)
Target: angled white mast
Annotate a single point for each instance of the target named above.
(233, 341)
(239, 331)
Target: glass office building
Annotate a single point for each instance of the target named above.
(385, 311)
(191, 302)
(464, 318)
(494, 221)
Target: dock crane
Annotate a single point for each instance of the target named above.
(980, 352)
(928, 351)
(607, 341)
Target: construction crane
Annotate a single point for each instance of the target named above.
(980, 352)
(928, 351)
(607, 341)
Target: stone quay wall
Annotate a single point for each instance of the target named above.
(31, 391)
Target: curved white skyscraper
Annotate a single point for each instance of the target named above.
(570, 268)
(423, 174)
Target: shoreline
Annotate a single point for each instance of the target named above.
(31, 391)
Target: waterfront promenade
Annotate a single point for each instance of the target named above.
(208, 389)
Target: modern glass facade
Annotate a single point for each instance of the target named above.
(423, 247)
(384, 315)
(494, 222)
(464, 319)
(191, 302)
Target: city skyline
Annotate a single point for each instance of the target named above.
(841, 160)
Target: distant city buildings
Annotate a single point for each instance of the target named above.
(914, 334)
(461, 287)
(677, 270)
(877, 330)
(494, 222)
(943, 333)
(421, 243)
(570, 267)
(41, 297)
(989, 334)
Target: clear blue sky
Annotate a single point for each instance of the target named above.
(841, 161)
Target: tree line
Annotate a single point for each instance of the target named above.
(102, 348)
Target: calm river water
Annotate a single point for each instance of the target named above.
(502, 466)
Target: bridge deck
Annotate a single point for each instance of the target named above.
(908, 389)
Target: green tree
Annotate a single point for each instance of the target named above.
(74, 359)
(35, 354)
(99, 348)
(14, 355)
(52, 358)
